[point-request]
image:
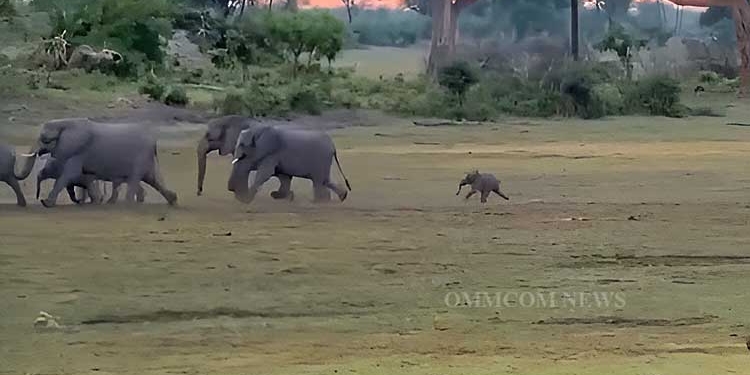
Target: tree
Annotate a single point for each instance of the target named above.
(7, 10)
(317, 33)
(348, 4)
(713, 15)
(574, 29)
(623, 44)
(458, 78)
(444, 15)
(741, 17)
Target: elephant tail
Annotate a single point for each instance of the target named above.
(335, 157)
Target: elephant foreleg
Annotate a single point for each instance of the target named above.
(115, 191)
(264, 173)
(472, 192)
(20, 199)
(71, 172)
(93, 192)
(285, 184)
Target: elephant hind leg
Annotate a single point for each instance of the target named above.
(321, 192)
(155, 182)
(140, 194)
(20, 199)
(483, 197)
(341, 192)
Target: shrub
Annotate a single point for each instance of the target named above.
(709, 77)
(177, 97)
(7, 10)
(657, 96)
(305, 98)
(153, 88)
(610, 98)
(135, 28)
(458, 78)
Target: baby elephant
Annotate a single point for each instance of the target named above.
(53, 169)
(483, 183)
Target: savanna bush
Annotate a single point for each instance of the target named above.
(656, 96)
(176, 96)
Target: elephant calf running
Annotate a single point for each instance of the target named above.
(8, 171)
(53, 169)
(485, 183)
(110, 152)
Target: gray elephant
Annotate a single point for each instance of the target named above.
(8, 171)
(53, 169)
(222, 135)
(485, 183)
(273, 150)
(110, 152)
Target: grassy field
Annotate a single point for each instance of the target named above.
(374, 62)
(653, 209)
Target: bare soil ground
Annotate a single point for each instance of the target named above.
(654, 209)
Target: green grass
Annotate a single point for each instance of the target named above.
(360, 286)
(386, 61)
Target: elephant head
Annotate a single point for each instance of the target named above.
(221, 135)
(468, 180)
(63, 138)
(253, 146)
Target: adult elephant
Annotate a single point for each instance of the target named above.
(110, 152)
(292, 152)
(8, 171)
(222, 135)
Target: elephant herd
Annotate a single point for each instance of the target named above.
(83, 152)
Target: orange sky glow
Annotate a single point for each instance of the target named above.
(394, 3)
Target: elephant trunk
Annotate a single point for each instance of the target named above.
(202, 151)
(28, 164)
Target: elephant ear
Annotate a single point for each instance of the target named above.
(73, 139)
(265, 142)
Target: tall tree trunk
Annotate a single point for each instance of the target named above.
(349, 10)
(442, 39)
(741, 14)
(444, 32)
(574, 29)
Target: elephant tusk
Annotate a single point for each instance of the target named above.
(31, 155)
(235, 161)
